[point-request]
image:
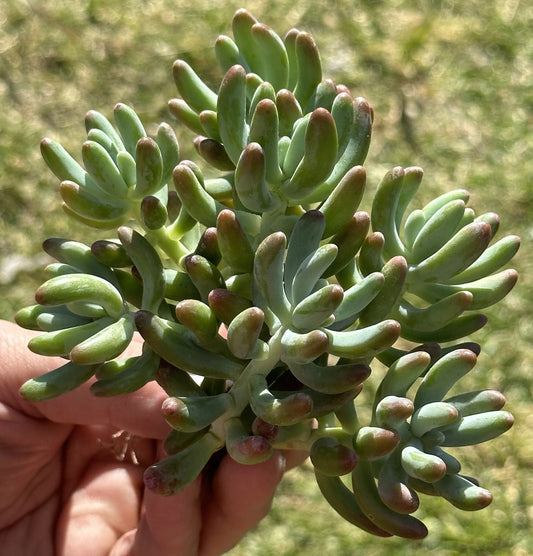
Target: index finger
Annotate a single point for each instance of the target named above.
(138, 412)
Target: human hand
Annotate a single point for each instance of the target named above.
(71, 474)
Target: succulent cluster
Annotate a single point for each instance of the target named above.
(263, 294)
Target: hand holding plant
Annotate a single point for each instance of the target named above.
(260, 275)
(74, 476)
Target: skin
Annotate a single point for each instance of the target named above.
(71, 477)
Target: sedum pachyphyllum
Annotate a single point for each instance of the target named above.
(264, 295)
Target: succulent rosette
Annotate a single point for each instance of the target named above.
(264, 295)
(440, 258)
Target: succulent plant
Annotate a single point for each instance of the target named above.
(261, 294)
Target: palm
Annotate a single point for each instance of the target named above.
(68, 489)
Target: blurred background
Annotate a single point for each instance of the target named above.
(451, 84)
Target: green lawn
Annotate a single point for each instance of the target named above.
(451, 86)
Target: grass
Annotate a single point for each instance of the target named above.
(450, 83)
